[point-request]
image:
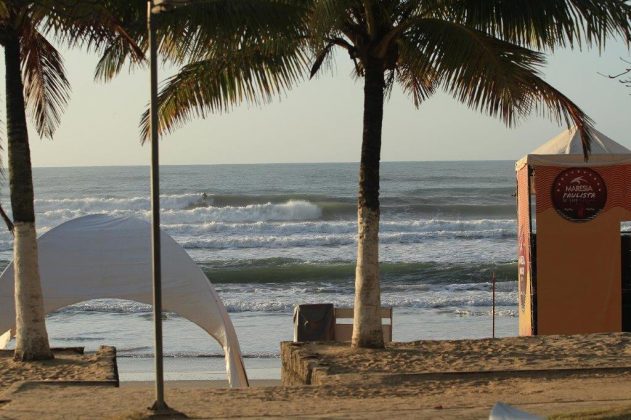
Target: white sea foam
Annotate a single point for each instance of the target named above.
(456, 217)
(342, 227)
(271, 298)
(105, 204)
(292, 210)
(274, 301)
(311, 240)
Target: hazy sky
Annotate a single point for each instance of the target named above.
(320, 121)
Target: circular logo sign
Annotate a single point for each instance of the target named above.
(579, 194)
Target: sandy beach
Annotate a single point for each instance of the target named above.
(67, 365)
(432, 399)
(596, 375)
(503, 354)
(256, 383)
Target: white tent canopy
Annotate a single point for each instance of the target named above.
(566, 149)
(100, 256)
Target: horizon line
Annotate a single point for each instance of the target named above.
(269, 163)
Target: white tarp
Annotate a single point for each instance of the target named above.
(501, 411)
(566, 149)
(100, 256)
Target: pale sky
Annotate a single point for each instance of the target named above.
(320, 121)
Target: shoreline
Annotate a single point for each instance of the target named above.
(193, 369)
(185, 384)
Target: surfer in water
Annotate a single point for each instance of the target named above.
(201, 202)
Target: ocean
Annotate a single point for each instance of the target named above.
(275, 235)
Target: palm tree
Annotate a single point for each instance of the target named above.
(480, 52)
(36, 82)
(487, 55)
(44, 90)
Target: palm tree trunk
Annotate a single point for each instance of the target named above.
(31, 335)
(367, 331)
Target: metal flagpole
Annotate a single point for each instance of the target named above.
(159, 404)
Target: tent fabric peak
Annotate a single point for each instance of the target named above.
(566, 149)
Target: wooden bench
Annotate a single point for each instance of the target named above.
(344, 330)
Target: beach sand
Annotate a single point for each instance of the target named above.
(560, 352)
(433, 399)
(258, 383)
(66, 366)
(396, 393)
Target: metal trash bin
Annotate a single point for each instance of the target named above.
(314, 322)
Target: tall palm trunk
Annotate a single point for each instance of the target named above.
(367, 331)
(31, 335)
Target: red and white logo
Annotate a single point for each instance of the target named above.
(579, 194)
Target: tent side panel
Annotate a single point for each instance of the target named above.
(578, 263)
(99, 256)
(524, 265)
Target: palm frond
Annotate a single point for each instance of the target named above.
(489, 74)
(109, 27)
(46, 88)
(328, 19)
(320, 58)
(114, 58)
(251, 75)
(187, 32)
(546, 23)
(478, 69)
(415, 74)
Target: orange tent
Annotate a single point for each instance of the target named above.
(572, 257)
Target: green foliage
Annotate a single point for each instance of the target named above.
(87, 23)
(46, 88)
(230, 52)
(486, 54)
(224, 78)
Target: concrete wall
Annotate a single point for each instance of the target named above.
(299, 366)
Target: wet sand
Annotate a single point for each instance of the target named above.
(197, 384)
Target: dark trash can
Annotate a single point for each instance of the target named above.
(314, 322)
